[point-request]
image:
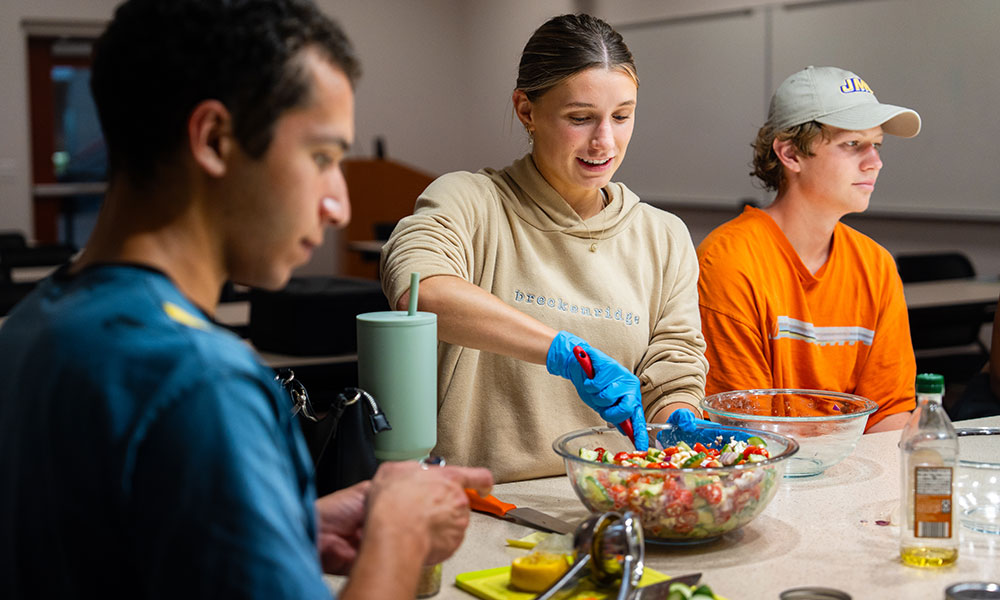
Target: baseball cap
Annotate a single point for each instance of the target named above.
(838, 98)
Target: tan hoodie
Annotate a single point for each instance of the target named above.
(512, 234)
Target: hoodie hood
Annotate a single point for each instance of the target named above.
(538, 203)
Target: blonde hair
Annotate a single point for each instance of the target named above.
(566, 45)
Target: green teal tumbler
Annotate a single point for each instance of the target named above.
(397, 364)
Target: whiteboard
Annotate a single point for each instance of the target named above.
(701, 100)
(706, 82)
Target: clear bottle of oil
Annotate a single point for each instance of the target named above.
(928, 455)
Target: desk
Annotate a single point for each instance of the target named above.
(369, 249)
(815, 532)
(31, 274)
(952, 292)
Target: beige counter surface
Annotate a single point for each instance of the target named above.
(819, 531)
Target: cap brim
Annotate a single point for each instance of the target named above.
(895, 120)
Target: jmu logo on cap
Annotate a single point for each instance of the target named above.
(855, 84)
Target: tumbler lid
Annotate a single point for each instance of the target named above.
(397, 318)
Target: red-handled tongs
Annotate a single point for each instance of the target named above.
(588, 369)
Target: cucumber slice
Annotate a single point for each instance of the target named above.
(651, 489)
(756, 441)
(586, 454)
(594, 490)
(694, 460)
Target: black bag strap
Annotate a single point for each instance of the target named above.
(340, 441)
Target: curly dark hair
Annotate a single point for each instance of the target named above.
(565, 45)
(159, 58)
(766, 165)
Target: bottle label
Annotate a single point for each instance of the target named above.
(932, 502)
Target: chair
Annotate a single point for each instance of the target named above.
(914, 268)
(12, 239)
(383, 229)
(945, 338)
(14, 254)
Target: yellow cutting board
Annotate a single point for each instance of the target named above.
(494, 584)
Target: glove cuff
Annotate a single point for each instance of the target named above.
(560, 356)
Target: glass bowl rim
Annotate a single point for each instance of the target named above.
(870, 405)
(975, 431)
(791, 447)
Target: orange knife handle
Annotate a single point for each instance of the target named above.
(489, 504)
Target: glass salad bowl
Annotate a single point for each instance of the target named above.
(690, 505)
(827, 425)
(977, 480)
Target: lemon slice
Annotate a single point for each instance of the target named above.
(537, 571)
(529, 541)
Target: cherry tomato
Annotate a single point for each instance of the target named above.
(712, 493)
(686, 521)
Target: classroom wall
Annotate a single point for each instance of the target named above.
(937, 192)
(437, 83)
(15, 152)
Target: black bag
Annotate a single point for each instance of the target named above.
(339, 432)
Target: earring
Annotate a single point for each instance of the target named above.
(531, 137)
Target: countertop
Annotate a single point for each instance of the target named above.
(818, 531)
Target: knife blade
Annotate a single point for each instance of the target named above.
(525, 516)
(661, 589)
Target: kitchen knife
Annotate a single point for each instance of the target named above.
(526, 516)
(661, 590)
(588, 369)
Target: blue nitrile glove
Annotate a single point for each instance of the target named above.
(691, 429)
(614, 390)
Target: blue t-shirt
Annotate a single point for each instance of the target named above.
(145, 451)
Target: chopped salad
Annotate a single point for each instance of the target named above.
(678, 502)
(683, 456)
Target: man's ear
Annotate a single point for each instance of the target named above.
(788, 154)
(210, 136)
(522, 108)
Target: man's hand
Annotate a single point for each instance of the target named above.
(428, 504)
(340, 516)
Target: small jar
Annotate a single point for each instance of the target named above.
(429, 583)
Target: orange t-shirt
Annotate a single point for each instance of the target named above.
(770, 323)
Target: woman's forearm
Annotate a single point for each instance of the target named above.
(472, 317)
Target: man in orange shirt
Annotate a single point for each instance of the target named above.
(790, 297)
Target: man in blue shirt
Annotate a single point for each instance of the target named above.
(144, 450)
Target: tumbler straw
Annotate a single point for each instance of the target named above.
(414, 289)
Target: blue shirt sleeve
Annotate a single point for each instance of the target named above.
(219, 499)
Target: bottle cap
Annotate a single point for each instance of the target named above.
(930, 383)
(970, 590)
